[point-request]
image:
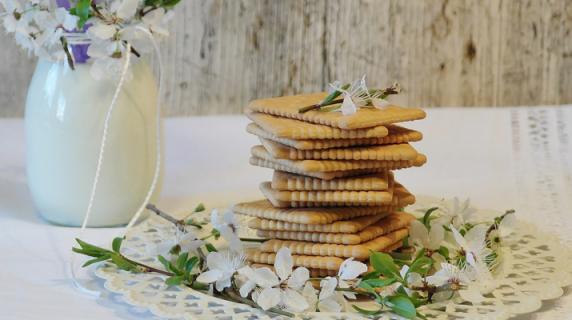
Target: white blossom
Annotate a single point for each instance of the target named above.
(457, 213)
(281, 288)
(330, 300)
(428, 239)
(227, 225)
(350, 270)
(221, 268)
(355, 95)
(458, 280)
(187, 241)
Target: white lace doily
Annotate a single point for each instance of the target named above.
(538, 269)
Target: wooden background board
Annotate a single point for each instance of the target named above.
(223, 53)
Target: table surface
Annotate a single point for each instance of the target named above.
(505, 158)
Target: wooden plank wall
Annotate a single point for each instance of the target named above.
(223, 53)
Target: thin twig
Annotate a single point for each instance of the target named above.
(252, 240)
(319, 106)
(179, 223)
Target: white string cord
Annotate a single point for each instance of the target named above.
(99, 164)
(157, 169)
(158, 132)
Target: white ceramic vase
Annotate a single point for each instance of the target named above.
(65, 112)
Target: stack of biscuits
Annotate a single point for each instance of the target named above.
(333, 194)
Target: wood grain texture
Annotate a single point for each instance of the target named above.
(223, 53)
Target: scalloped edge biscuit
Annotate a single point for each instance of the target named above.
(341, 197)
(388, 152)
(358, 251)
(265, 210)
(345, 226)
(328, 263)
(288, 181)
(401, 198)
(296, 129)
(397, 134)
(364, 118)
(310, 166)
(386, 225)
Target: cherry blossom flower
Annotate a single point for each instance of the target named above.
(355, 95)
(457, 213)
(350, 270)
(456, 279)
(221, 268)
(281, 288)
(187, 241)
(428, 239)
(227, 225)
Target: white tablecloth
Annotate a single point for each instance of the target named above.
(501, 158)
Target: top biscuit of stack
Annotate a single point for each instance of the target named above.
(288, 107)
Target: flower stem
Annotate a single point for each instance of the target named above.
(252, 240)
(180, 224)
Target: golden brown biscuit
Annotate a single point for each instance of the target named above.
(289, 107)
(287, 181)
(389, 152)
(296, 129)
(358, 251)
(396, 135)
(341, 198)
(265, 210)
(386, 225)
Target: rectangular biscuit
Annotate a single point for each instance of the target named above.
(296, 129)
(401, 198)
(287, 181)
(327, 263)
(307, 166)
(320, 273)
(340, 197)
(386, 225)
(391, 152)
(277, 165)
(396, 134)
(358, 251)
(265, 210)
(364, 118)
(345, 226)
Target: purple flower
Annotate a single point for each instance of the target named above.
(79, 51)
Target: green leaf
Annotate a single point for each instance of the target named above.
(163, 261)
(92, 261)
(365, 285)
(82, 11)
(402, 306)
(366, 312)
(383, 263)
(370, 275)
(182, 260)
(191, 263)
(215, 233)
(169, 4)
(192, 222)
(174, 281)
(379, 283)
(199, 208)
(122, 263)
(426, 217)
(116, 244)
(421, 265)
(210, 247)
(444, 252)
(87, 253)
